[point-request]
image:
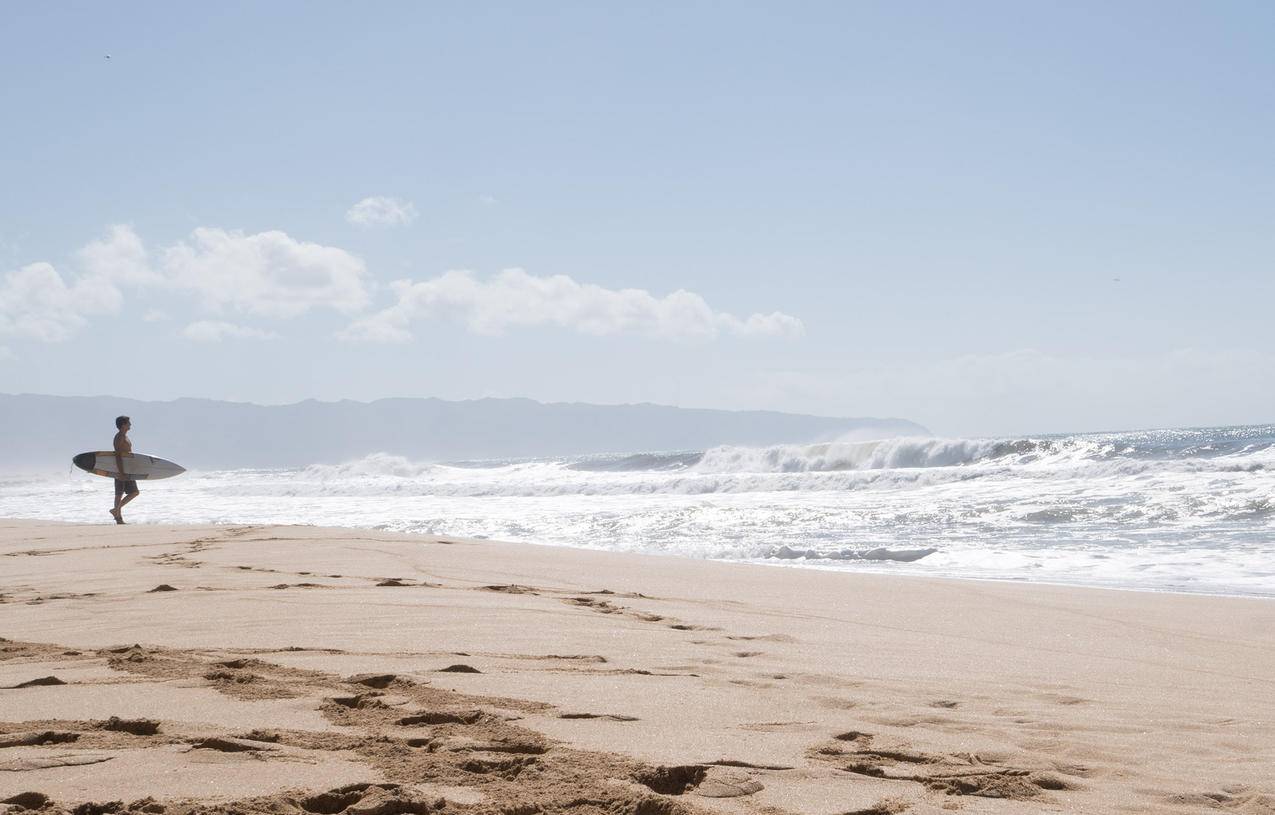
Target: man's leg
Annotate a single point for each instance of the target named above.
(125, 491)
(119, 494)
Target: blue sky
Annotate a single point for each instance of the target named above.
(986, 217)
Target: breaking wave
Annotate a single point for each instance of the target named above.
(885, 464)
(374, 466)
(885, 454)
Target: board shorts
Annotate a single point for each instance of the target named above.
(123, 487)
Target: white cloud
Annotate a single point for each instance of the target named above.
(268, 274)
(488, 200)
(119, 257)
(389, 325)
(380, 210)
(515, 299)
(5, 353)
(216, 331)
(155, 316)
(37, 303)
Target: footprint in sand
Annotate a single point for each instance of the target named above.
(511, 588)
(432, 717)
(37, 739)
(704, 780)
(982, 776)
(615, 717)
(378, 681)
(228, 746)
(42, 681)
(28, 800)
(135, 727)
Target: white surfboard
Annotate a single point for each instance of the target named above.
(137, 466)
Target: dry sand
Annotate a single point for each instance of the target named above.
(303, 670)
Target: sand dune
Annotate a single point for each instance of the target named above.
(303, 670)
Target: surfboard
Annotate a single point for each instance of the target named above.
(137, 466)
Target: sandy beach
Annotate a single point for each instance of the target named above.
(298, 669)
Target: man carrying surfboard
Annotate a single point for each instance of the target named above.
(125, 489)
(125, 467)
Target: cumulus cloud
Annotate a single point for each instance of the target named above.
(516, 299)
(273, 275)
(267, 274)
(119, 257)
(216, 331)
(37, 303)
(380, 210)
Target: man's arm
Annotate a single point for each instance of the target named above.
(121, 446)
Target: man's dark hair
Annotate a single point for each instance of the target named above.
(119, 422)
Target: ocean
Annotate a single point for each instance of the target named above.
(1190, 510)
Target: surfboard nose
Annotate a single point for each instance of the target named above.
(85, 461)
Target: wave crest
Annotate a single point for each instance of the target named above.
(883, 454)
(370, 466)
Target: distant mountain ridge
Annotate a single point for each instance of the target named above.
(41, 431)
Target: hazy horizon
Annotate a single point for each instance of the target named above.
(1063, 431)
(212, 434)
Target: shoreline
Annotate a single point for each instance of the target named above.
(778, 562)
(265, 665)
(1015, 581)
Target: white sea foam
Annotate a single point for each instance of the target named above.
(880, 454)
(1186, 509)
(369, 467)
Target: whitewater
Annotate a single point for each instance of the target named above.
(1180, 510)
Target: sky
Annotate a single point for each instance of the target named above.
(989, 218)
